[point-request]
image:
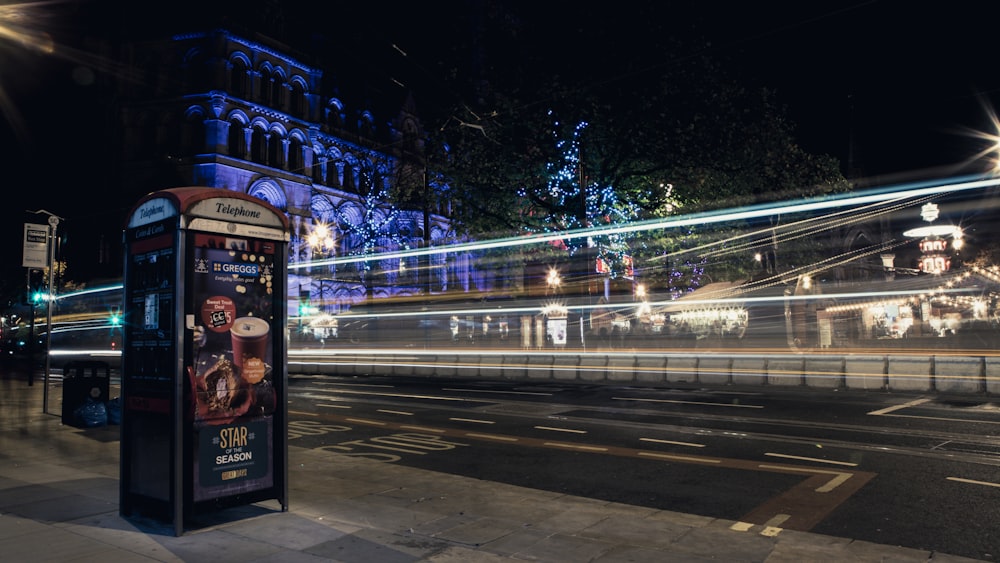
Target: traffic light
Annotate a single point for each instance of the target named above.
(35, 294)
(306, 309)
(115, 318)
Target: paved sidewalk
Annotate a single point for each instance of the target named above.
(59, 502)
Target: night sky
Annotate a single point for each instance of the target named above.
(885, 87)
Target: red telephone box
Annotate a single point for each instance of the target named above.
(204, 408)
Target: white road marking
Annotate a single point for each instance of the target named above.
(778, 520)
(741, 527)
(364, 421)
(839, 477)
(689, 444)
(679, 457)
(395, 412)
(477, 421)
(576, 447)
(422, 429)
(491, 437)
(973, 482)
(497, 392)
(814, 459)
(687, 402)
(324, 405)
(888, 410)
(561, 429)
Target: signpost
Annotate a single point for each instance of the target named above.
(40, 252)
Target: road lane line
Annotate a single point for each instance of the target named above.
(491, 437)
(300, 413)
(475, 420)
(973, 482)
(421, 429)
(395, 412)
(576, 447)
(679, 457)
(817, 460)
(365, 421)
(658, 441)
(324, 405)
(888, 410)
(561, 429)
(687, 402)
(497, 392)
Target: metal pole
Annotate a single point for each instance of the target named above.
(54, 224)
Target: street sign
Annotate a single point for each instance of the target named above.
(36, 246)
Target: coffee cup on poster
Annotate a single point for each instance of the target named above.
(250, 337)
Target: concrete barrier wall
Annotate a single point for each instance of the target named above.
(944, 374)
(910, 373)
(620, 368)
(491, 367)
(824, 372)
(992, 375)
(592, 368)
(446, 366)
(514, 367)
(959, 374)
(749, 370)
(564, 367)
(786, 371)
(650, 369)
(539, 366)
(714, 370)
(865, 372)
(682, 369)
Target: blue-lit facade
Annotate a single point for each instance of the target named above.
(216, 109)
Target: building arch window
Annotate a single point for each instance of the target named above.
(277, 145)
(334, 169)
(258, 145)
(297, 98)
(193, 132)
(269, 191)
(278, 90)
(335, 114)
(349, 174)
(322, 209)
(197, 73)
(319, 165)
(266, 77)
(239, 76)
(366, 125)
(236, 137)
(296, 160)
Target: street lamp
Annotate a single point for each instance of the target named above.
(553, 280)
(321, 239)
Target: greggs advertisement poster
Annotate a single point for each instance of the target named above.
(233, 394)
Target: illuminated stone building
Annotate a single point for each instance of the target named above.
(218, 109)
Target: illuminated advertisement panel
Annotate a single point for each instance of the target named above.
(233, 392)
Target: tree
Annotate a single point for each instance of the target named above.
(691, 140)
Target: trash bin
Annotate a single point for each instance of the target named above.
(83, 381)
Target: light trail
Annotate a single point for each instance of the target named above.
(910, 190)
